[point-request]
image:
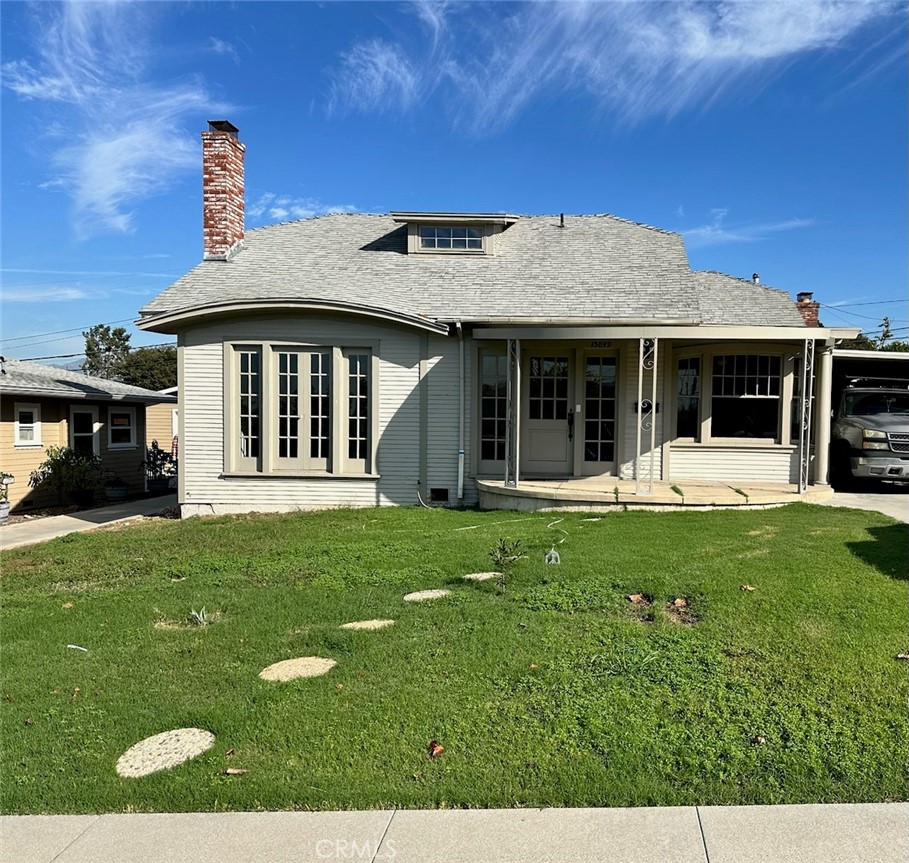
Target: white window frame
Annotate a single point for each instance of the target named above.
(132, 428)
(415, 242)
(35, 425)
(269, 462)
(96, 426)
(705, 385)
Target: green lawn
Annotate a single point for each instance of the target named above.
(559, 692)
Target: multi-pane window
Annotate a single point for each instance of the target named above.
(300, 409)
(451, 239)
(688, 398)
(599, 409)
(250, 395)
(28, 425)
(745, 396)
(320, 405)
(548, 388)
(358, 406)
(493, 406)
(83, 430)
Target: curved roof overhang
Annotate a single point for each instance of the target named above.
(169, 322)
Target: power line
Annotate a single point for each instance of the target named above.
(72, 356)
(873, 303)
(856, 314)
(70, 330)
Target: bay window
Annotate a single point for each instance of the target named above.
(299, 409)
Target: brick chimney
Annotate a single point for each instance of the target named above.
(222, 191)
(808, 308)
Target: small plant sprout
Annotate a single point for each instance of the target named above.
(505, 554)
(199, 618)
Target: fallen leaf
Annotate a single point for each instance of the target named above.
(230, 752)
(8, 697)
(29, 720)
(435, 749)
(533, 666)
(680, 602)
(76, 691)
(637, 598)
(339, 686)
(758, 740)
(67, 605)
(746, 587)
(234, 771)
(898, 656)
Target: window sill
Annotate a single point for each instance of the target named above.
(287, 474)
(734, 443)
(115, 447)
(29, 445)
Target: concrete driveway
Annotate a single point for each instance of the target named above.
(890, 498)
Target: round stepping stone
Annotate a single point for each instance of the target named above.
(164, 750)
(367, 624)
(481, 576)
(303, 666)
(423, 595)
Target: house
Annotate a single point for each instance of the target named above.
(161, 420)
(42, 406)
(364, 359)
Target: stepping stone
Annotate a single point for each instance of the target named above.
(164, 750)
(423, 595)
(303, 666)
(481, 576)
(367, 624)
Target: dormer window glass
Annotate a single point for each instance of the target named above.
(453, 239)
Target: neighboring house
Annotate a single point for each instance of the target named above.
(375, 359)
(161, 421)
(42, 406)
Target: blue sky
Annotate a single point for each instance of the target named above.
(773, 136)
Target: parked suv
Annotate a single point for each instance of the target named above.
(870, 437)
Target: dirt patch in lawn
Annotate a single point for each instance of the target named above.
(303, 666)
(766, 532)
(367, 624)
(423, 595)
(641, 607)
(164, 750)
(679, 610)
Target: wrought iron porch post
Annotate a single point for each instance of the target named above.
(647, 358)
(513, 415)
(807, 393)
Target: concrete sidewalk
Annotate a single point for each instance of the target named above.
(840, 833)
(43, 529)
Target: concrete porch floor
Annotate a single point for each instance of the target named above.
(605, 493)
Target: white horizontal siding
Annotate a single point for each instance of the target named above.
(398, 453)
(728, 464)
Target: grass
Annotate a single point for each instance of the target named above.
(559, 692)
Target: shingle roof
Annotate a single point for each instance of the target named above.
(723, 299)
(597, 267)
(22, 377)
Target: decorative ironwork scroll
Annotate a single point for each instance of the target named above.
(648, 356)
(807, 393)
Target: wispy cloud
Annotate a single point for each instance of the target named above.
(718, 232)
(92, 63)
(270, 207)
(219, 46)
(637, 60)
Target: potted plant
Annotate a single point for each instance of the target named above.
(160, 467)
(115, 487)
(6, 479)
(71, 473)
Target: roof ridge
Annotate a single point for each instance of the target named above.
(744, 281)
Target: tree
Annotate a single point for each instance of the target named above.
(882, 342)
(105, 350)
(152, 368)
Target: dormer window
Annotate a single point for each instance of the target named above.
(453, 233)
(451, 238)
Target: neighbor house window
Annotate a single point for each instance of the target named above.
(688, 398)
(121, 428)
(27, 426)
(745, 396)
(300, 409)
(84, 430)
(451, 239)
(493, 406)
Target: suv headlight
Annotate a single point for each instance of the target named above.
(874, 439)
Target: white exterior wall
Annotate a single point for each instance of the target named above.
(627, 420)
(205, 490)
(729, 464)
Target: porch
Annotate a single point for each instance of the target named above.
(605, 493)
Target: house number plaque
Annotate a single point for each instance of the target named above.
(600, 345)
